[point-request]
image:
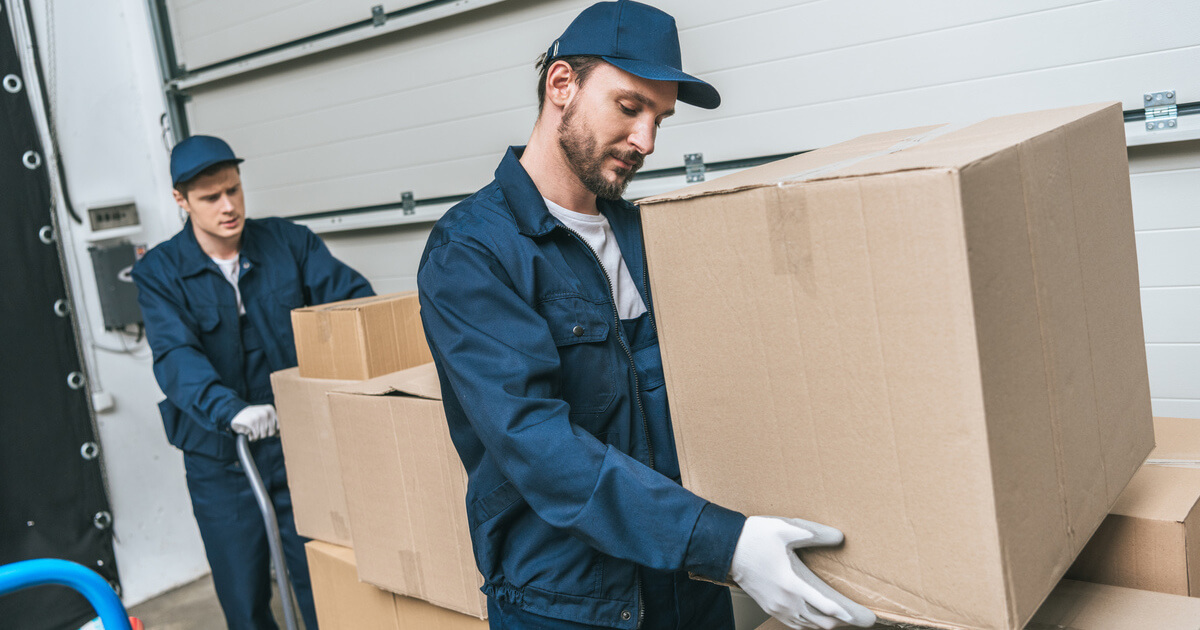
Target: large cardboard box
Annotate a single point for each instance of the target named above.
(930, 339)
(1177, 442)
(1083, 606)
(406, 490)
(360, 339)
(344, 603)
(310, 453)
(1151, 538)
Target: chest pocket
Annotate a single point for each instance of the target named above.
(581, 330)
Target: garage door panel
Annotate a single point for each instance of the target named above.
(1164, 408)
(819, 27)
(1174, 370)
(381, 253)
(1171, 314)
(373, 189)
(211, 31)
(808, 126)
(1166, 199)
(790, 80)
(479, 45)
(1169, 258)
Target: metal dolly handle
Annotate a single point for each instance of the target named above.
(274, 541)
(28, 573)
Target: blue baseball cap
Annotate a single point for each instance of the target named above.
(638, 39)
(197, 153)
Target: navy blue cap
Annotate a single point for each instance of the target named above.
(197, 153)
(638, 39)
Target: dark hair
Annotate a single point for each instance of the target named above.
(185, 186)
(581, 65)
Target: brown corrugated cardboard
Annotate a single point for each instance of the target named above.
(406, 490)
(1083, 606)
(1151, 538)
(930, 339)
(1177, 442)
(310, 453)
(360, 339)
(344, 603)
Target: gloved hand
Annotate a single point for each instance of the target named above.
(766, 566)
(256, 422)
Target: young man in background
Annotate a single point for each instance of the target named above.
(217, 299)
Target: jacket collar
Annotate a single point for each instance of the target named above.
(525, 201)
(522, 196)
(193, 260)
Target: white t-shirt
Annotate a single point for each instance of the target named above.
(229, 269)
(596, 231)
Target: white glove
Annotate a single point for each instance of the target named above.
(766, 566)
(256, 421)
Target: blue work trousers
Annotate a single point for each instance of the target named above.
(235, 538)
(672, 602)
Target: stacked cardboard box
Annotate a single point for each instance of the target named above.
(374, 468)
(328, 338)
(1151, 538)
(344, 603)
(406, 490)
(1083, 606)
(930, 338)
(360, 339)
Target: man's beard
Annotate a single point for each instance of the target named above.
(587, 159)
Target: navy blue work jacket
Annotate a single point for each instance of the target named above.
(194, 329)
(558, 410)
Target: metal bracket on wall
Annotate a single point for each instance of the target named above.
(408, 203)
(378, 17)
(1161, 110)
(694, 165)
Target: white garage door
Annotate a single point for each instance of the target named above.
(336, 136)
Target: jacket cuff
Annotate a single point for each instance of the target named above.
(715, 536)
(228, 411)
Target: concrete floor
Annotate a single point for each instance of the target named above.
(191, 607)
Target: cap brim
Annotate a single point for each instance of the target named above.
(183, 177)
(692, 91)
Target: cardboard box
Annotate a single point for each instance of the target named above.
(930, 339)
(360, 339)
(1151, 538)
(310, 453)
(1178, 442)
(1082, 606)
(344, 603)
(406, 490)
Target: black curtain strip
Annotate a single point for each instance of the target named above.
(52, 497)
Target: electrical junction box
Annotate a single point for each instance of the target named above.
(113, 215)
(113, 265)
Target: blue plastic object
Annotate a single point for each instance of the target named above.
(28, 573)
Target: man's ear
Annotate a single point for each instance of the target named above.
(181, 200)
(560, 83)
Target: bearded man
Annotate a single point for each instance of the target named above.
(536, 305)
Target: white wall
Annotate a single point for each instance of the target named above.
(101, 71)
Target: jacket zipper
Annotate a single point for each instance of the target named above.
(637, 390)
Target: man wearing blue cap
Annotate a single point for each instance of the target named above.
(536, 304)
(217, 300)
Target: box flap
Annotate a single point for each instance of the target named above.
(1160, 493)
(1177, 439)
(421, 382)
(349, 305)
(933, 147)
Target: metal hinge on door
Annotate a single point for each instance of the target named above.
(1161, 112)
